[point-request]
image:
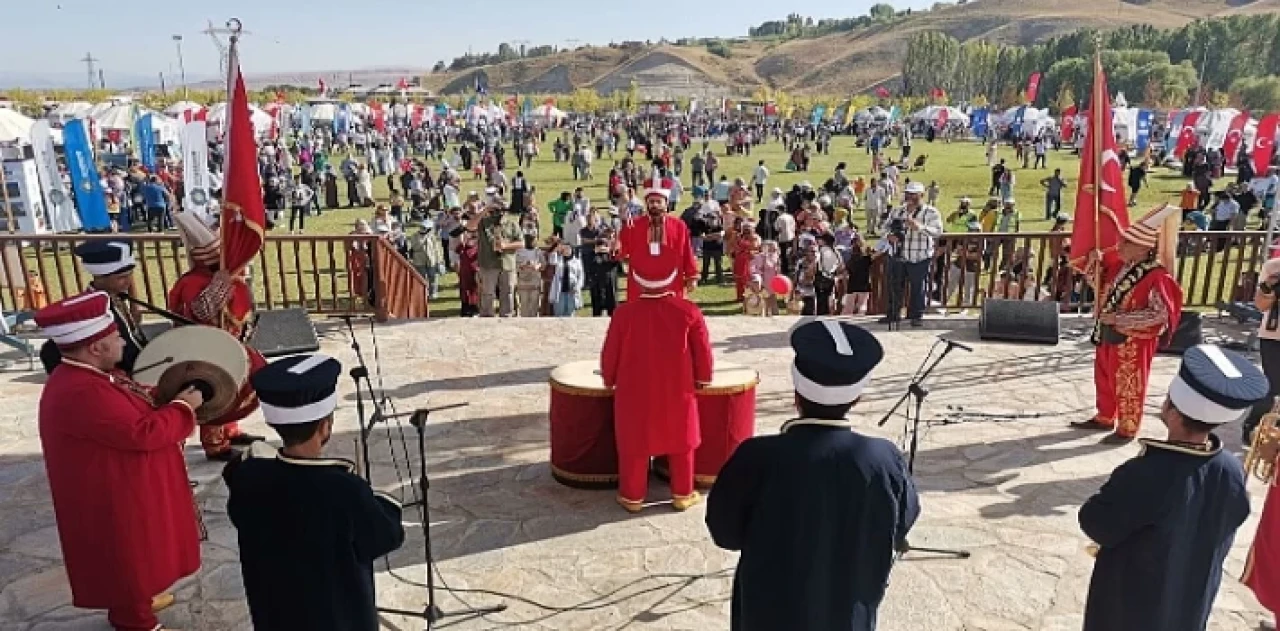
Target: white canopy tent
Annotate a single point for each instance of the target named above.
(120, 117)
(485, 113)
(69, 111)
(873, 113)
(324, 112)
(261, 120)
(934, 112)
(547, 114)
(98, 109)
(14, 126)
(178, 109)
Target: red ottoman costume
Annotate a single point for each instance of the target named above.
(1262, 570)
(126, 520)
(213, 298)
(656, 354)
(1143, 303)
(657, 263)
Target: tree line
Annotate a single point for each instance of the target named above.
(1227, 61)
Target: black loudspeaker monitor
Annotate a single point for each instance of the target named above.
(1189, 333)
(281, 332)
(1019, 321)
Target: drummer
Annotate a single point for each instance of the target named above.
(111, 264)
(126, 520)
(210, 297)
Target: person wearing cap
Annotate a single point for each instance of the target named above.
(498, 238)
(126, 519)
(308, 528)
(959, 220)
(1141, 303)
(657, 248)
(818, 510)
(427, 255)
(1164, 521)
(111, 265)
(656, 354)
(913, 248)
(209, 296)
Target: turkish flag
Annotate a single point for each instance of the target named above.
(1264, 145)
(1186, 134)
(402, 85)
(415, 118)
(942, 118)
(243, 212)
(1069, 123)
(1033, 87)
(1235, 136)
(1102, 213)
(379, 116)
(882, 92)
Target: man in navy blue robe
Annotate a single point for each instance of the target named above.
(1165, 520)
(818, 510)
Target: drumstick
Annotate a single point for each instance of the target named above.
(167, 360)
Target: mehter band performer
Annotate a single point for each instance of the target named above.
(1141, 305)
(309, 528)
(1165, 520)
(656, 354)
(211, 297)
(111, 265)
(656, 247)
(123, 502)
(818, 510)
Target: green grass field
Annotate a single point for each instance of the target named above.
(960, 169)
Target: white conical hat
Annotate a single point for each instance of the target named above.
(203, 246)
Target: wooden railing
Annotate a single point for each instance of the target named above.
(322, 274)
(1212, 267)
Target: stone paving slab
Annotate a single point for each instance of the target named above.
(998, 470)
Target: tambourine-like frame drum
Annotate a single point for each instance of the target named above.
(584, 452)
(207, 357)
(726, 417)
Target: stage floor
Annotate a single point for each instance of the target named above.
(999, 473)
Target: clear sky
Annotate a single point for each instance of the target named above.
(307, 35)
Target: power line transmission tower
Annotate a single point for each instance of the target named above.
(89, 62)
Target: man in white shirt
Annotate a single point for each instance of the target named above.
(785, 226)
(912, 229)
(891, 177)
(877, 199)
(759, 178)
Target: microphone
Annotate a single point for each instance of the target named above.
(956, 344)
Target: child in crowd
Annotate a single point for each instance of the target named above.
(857, 279)
(755, 298)
(566, 286)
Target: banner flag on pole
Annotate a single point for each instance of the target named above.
(58, 205)
(243, 213)
(91, 201)
(1264, 143)
(1101, 210)
(1186, 133)
(1235, 137)
(1142, 139)
(145, 135)
(1033, 87)
(195, 169)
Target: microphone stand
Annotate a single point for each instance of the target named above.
(432, 612)
(917, 392)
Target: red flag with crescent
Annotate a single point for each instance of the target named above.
(1069, 123)
(1264, 144)
(1033, 87)
(1101, 211)
(1235, 137)
(882, 92)
(1187, 133)
(243, 211)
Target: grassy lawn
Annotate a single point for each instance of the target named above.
(959, 168)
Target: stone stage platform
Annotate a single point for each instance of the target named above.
(998, 470)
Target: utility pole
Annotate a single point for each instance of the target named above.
(102, 79)
(1204, 60)
(89, 62)
(163, 92)
(182, 68)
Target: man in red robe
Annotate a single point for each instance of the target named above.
(126, 519)
(1262, 569)
(211, 297)
(1141, 304)
(656, 247)
(656, 355)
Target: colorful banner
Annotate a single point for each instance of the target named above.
(1033, 87)
(58, 206)
(195, 170)
(1219, 126)
(91, 202)
(1142, 138)
(342, 119)
(894, 113)
(943, 115)
(818, 112)
(1018, 116)
(379, 116)
(1068, 123)
(306, 119)
(1102, 213)
(1235, 138)
(978, 121)
(145, 135)
(1264, 144)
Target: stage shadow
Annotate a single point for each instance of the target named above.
(1042, 499)
(520, 377)
(991, 464)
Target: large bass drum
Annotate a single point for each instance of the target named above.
(210, 359)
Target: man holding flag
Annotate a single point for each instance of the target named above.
(1137, 299)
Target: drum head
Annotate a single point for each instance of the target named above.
(204, 355)
(583, 375)
(732, 376)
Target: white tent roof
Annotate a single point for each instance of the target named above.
(547, 113)
(182, 106)
(261, 120)
(120, 116)
(324, 112)
(14, 126)
(71, 109)
(97, 110)
(871, 113)
(932, 112)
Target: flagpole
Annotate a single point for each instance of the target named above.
(233, 69)
(1097, 175)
